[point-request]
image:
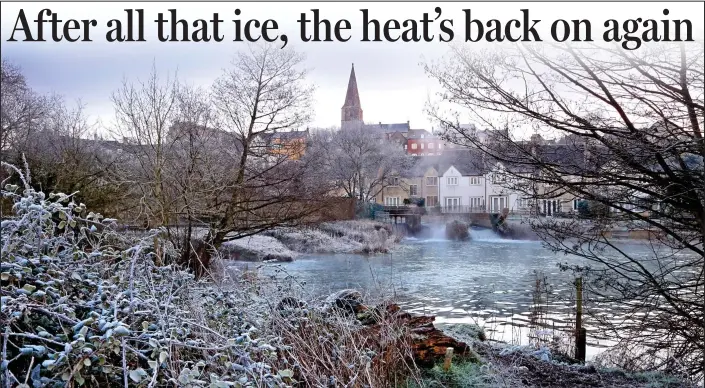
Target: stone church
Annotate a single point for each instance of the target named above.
(351, 113)
(417, 142)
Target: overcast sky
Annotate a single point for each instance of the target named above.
(392, 83)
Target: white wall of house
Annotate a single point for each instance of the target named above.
(453, 187)
(483, 192)
(498, 195)
(476, 192)
(459, 190)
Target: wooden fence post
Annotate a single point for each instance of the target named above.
(448, 359)
(580, 332)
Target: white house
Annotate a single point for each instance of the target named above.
(462, 187)
(467, 183)
(466, 188)
(500, 194)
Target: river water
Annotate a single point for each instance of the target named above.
(488, 281)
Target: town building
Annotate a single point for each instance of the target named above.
(292, 144)
(418, 142)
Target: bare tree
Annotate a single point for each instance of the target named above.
(144, 113)
(632, 141)
(206, 166)
(264, 93)
(175, 159)
(53, 139)
(22, 108)
(75, 159)
(360, 163)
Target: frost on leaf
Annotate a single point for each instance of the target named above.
(80, 298)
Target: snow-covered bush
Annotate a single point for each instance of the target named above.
(359, 236)
(257, 248)
(84, 305)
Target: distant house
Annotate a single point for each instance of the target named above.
(430, 187)
(422, 182)
(462, 184)
(420, 142)
(417, 184)
(397, 137)
(570, 158)
(483, 136)
(499, 181)
(291, 144)
(469, 182)
(395, 192)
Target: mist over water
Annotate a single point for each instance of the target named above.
(487, 280)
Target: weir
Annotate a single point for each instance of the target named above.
(416, 221)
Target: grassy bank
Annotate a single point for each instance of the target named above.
(286, 244)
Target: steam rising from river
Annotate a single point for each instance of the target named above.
(438, 234)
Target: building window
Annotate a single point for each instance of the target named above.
(405, 146)
(430, 145)
(432, 200)
(394, 181)
(474, 180)
(576, 202)
(452, 181)
(498, 177)
(497, 204)
(422, 145)
(413, 190)
(391, 201)
(476, 202)
(431, 181)
(413, 146)
(453, 202)
(440, 146)
(551, 206)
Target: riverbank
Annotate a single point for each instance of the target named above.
(496, 364)
(287, 244)
(102, 308)
(86, 305)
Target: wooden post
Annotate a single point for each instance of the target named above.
(582, 342)
(580, 332)
(157, 252)
(448, 359)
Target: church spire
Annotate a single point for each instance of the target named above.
(352, 97)
(351, 113)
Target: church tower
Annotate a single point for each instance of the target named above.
(351, 113)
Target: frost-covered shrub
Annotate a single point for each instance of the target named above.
(84, 305)
(257, 248)
(359, 236)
